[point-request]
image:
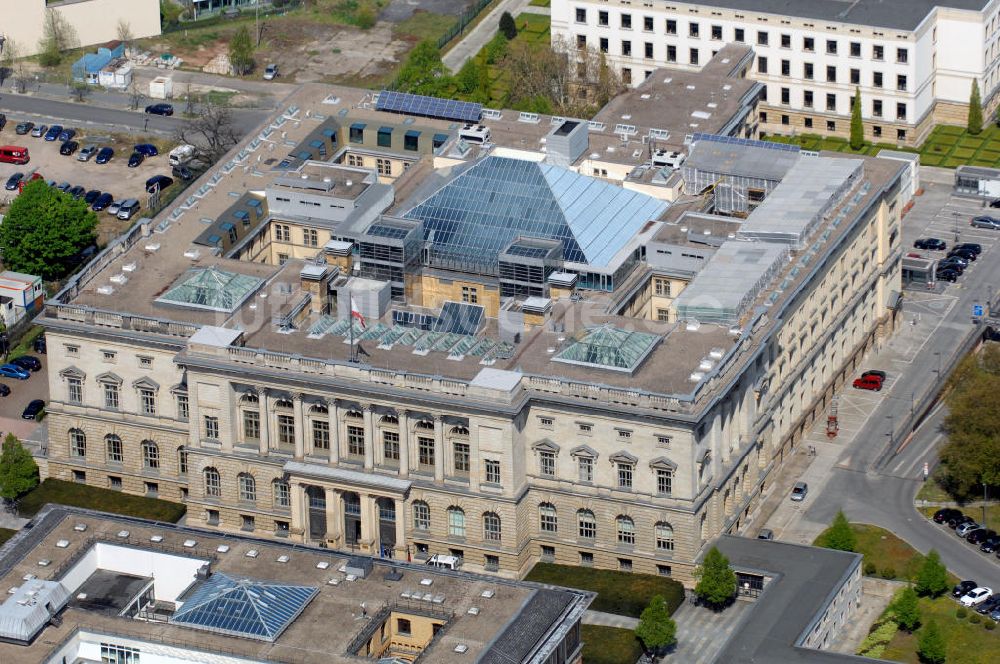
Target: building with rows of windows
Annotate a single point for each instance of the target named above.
(484, 351)
(912, 61)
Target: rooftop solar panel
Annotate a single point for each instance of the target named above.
(394, 232)
(430, 107)
(459, 318)
(412, 319)
(733, 140)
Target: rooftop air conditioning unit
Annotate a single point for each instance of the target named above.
(669, 159)
(475, 133)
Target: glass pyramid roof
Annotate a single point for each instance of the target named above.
(243, 607)
(211, 288)
(480, 211)
(609, 347)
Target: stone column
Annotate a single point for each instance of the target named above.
(400, 550)
(300, 434)
(438, 448)
(404, 443)
(369, 522)
(300, 523)
(334, 517)
(194, 414)
(369, 415)
(264, 443)
(333, 409)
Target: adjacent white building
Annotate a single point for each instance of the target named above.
(912, 60)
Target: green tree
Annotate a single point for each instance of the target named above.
(496, 49)
(932, 578)
(716, 579)
(975, 125)
(906, 609)
(971, 455)
(241, 52)
(656, 629)
(365, 17)
(857, 126)
(507, 26)
(841, 536)
(58, 35)
(931, 646)
(423, 73)
(44, 230)
(18, 471)
(470, 76)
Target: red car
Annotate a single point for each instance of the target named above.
(869, 382)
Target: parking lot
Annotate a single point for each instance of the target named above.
(113, 177)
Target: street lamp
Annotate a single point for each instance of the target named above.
(955, 216)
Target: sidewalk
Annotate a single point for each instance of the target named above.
(473, 41)
(609, 620)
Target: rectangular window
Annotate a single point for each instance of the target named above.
(114, 483)
(602, 18)
(251, 425)
(604, 44)
(625, 564)
(664, 482)
(581, 43)
(831, 125)
(586, 559)
(717, 32)
(664, 570)
(807, 123)
(647, 23)
(247, 523)
(694, 56)
(286, 430)
(74, 390)
(877, 79)
(648, 49)
(786, 67)
(739, 35)
(321, 434)
(693, 30)
(627, 75)
(492, 471)
(901, 82)
(411, 141)
(761, 64)
(671, 26)
(72, 350)
(831, 74)
(786, 96)
(902, 56)
(807, 98)
(831, 47)
(900, 135)
(491, 563)
(877, 108)
(152, 489)
(115, 452)
(808, 44)
(786, 41)
(855, 76)
(390, 445)
(585, 465)
(807, 71)
(357, 133)
(663, 315)
(581, 15)
(111, 396)
(211, 427)
(461, 451)
(470, 294)
(900, 111)
(310, 237)
(425, 451)
(183, 407)
(878, 53)
(282, 495)
(761, 38)
(147, 401)
(80, 477)
(355, 441)
(671, 53)
(855, 49)
(831, 102)
(624, 476)
(547, 464)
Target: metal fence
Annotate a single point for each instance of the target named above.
(467, 17)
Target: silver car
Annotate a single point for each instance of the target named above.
(966, 528)
(271, 72)
(991, 223)
(87, 153)
(799, 491)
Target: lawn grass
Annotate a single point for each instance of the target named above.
(95, 498)
(23, 347)
(609, 645)
(622, 593)
(885, 554)
(540, 3)
(6, 534)
(966, 643)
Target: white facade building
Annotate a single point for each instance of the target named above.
(912, 60)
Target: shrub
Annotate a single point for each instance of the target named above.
(880, 635)
(870, 569)
(989, 625)
(975, 619)
(961, 612)
(622, 593)
(888, 572)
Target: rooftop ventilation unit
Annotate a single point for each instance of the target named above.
(475, 133)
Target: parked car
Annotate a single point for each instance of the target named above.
(976, 596)
(4, 390)
(147, 149)
(947, 274)
(14, 371)
(3, 121)
(68, 148)
(991, 603)
(979, 535)
(946, 513)
(971, 246)
(990, 544)
(991, 223)
(161, 181)
(963, 587)
(77, 192)
(102, 202)
(64, 186)
(67, 134)
(53, 133)
(13, 181)
(868, 383)
(271, 72)
(995, 203)
(799, 491)
(104, 155)
(38, 345)
(765, 534)
(932, 243)
(160, 109)
(966, 528)
(128, 209)
(39, 131)
(182, 172)
(995, 614)
(135, 159)
(23, 128)
(966, 254)
(27, 362)
(31, 411)
(957, 521)
(114, 207)
(875, 372)
(954, 261)
(91, 196)
(86, 153)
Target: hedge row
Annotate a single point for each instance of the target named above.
(622, 593)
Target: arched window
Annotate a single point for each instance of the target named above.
(460, 431)
(456, 522)
(547, 518)
(282, 494)
(704, 527)
(182, 461)
(426, 425)
(586, 524)
(77, 443)
(213, 483)
(248, 487)
(114, 446)
(249, 399)
(491, 527)
(626, 530)
(319, 409)
(421, 515)
(389, 421)
(283, 403)
(664, 533)
(150, 455)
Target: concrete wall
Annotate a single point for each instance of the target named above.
(95, 21)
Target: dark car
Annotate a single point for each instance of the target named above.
(160, 181)
(875, 372)
(53, 133)
(991, 603)
(28, 362)
(102, 202)
(971, 246)
(182, 172)
(67, 134)
(38, 345)
(4, 390)
(31, 411)
(147, 149)
(966, 254)
(160, 109)
(23, 128)
(68, 148)
(931, 243)
(77, 192)
(995, 203)
(13, 181)
(957, 521)
(64, 186)
(135, 159)
(3, 121)
(990, 544)
(946, 513)
(950, 264)
(963, 587)
(91, 196)
(104, 155)
(979, 535)
(947, 274)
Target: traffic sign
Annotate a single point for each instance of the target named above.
(977, 310)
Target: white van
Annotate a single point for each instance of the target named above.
(444, 562)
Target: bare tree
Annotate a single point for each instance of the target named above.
(79, 90)
(58, 36)
(211, 130)
(125, 34)
(135, 94)
(12, 65)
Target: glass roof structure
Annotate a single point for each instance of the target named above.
(609, 347)
(243, 607)
(211, 288)
(480, 211)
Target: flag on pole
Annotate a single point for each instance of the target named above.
(356, 313)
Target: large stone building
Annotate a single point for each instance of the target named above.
(412, 336)
(913, 61)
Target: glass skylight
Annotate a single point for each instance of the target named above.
(211, 288)
(609, 347)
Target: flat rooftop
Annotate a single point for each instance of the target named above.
(500, 626)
